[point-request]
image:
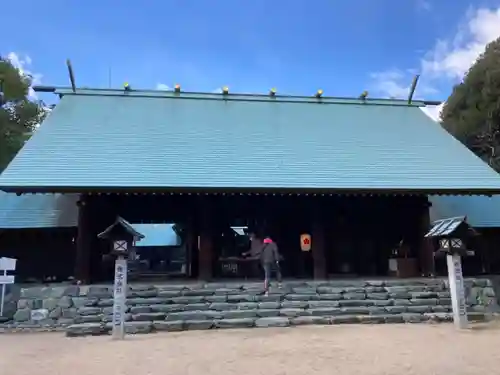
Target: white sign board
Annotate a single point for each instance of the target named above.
(6, 264)
(457, 290)
(119, 298)
(393, 265)
(6, 279)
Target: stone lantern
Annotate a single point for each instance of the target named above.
(122, 236)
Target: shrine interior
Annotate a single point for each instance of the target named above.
(360, 233)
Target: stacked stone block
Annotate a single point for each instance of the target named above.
(87, 310)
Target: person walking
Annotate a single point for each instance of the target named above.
(270, 260)
(254, 254)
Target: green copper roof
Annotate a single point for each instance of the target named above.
(37, 210)
(141, 139)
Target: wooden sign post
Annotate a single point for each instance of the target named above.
(450, 233)
(119, 290)
(123, 236)
(457, 290)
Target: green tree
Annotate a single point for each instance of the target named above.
(18, 114)
(472, 112)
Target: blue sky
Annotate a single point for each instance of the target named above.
(343, 47)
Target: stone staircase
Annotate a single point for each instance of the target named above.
(87, 310)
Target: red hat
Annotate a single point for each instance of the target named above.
(268, 240)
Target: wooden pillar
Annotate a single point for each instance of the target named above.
(318, 250)
(426, 250)
(191, 246)
(318, 240)
(83, 241)
(205, 255)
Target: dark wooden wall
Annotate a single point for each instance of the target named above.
(41, 253)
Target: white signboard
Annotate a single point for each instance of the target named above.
(393, 265)
(6, 264)
(6, 279)
(119, 297)
(457, 290)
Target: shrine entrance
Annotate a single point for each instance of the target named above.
(238, 247)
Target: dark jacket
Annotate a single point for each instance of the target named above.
(255, 248)
(269, 253)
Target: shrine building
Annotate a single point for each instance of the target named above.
(352, 176)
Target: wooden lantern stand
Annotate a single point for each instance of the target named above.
(450, 233)
(123, 237)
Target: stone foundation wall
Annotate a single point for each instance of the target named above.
(88, 309)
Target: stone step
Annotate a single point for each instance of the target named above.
(62, 306)
(198, 323)
(141, 314)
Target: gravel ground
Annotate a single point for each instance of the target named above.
(348, 349)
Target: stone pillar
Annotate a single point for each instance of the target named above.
(206, 233)
(83, 241)
(426, 250)
(318, 249)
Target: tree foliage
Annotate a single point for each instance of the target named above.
(18, 114)
(472, 112)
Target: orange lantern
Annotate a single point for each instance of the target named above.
(305, 242)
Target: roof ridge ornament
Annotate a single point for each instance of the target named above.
(413, 87)
(71, 75)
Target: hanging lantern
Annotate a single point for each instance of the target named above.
(305, 242)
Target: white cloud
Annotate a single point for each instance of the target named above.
(22, 64)
(162, 86)
(447, 62)
(453, 58)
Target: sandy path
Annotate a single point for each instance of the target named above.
(348, 349)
